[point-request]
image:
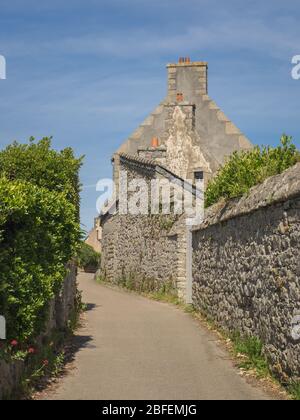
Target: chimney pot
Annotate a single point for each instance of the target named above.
(155, 142)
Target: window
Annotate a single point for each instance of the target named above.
(199, 175)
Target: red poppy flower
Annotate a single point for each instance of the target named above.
(31, 350)
(45, 362)
(14, 343)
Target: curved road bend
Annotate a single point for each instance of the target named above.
(135, 348)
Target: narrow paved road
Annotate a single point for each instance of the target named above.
(134, 348)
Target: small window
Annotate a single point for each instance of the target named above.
(199, 175)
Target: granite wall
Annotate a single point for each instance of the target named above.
(246, 268)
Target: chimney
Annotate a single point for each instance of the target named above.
(155, 152)
(187, 78)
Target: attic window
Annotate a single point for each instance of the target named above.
(199, 175)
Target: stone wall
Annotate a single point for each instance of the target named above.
(246, 268)
(61, 309)
(139, 250)
(143, 250)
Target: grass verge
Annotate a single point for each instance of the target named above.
(294, 390)
(250, 352)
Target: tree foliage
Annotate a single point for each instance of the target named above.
(247, 169)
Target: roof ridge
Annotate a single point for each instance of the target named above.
(164, 170)
(139, 159)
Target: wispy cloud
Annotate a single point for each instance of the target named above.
(275, 37)
(232, 35)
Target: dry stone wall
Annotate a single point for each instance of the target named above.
(246, 268)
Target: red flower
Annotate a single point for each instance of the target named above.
(45, 362)
(31, 350)
(14, 343)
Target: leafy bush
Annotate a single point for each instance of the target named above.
(38, 236)
(247, 169)
(39, 231)
(88, 259)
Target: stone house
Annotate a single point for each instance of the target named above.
(94, 236)
(187, 137)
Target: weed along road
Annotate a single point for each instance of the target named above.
(130, 347)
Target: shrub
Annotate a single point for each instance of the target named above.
(38, 236)
(247, 169)
(39, 231)
(88, 259)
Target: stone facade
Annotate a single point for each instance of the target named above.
(60, 311)
(246, 268)
(140, 251)
(159, 154)
(147, 249)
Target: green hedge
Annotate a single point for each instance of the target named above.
(38, 235)
(247, 169)
(39, 232)
(39, 164)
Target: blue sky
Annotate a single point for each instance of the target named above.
(87, 72)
